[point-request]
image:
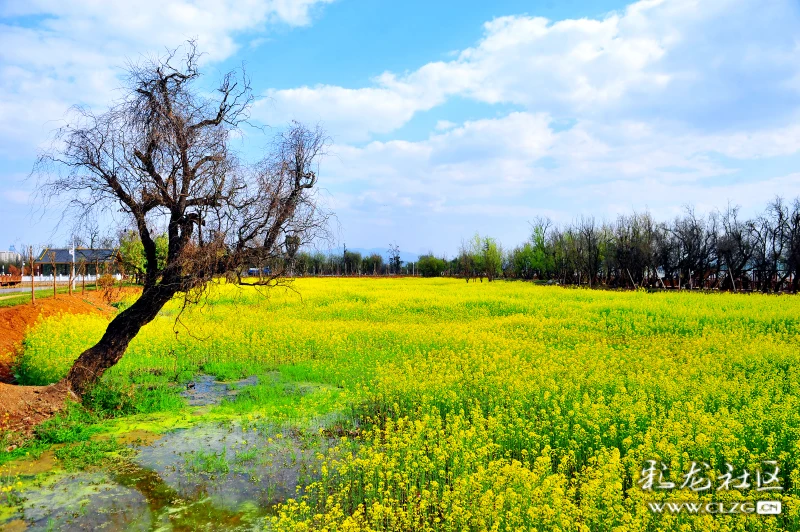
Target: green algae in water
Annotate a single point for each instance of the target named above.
(224, 475)
(159, 488)
(260, 467)
(83, 501)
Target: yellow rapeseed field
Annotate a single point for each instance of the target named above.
(504, 405)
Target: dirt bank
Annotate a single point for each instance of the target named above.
(23, 407)
(17, 320)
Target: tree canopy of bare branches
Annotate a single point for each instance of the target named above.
(717, 250)
(161, 155)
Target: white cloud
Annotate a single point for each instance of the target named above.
(757, 144)
(17, 196)
(652, 96)
(480, 161)
(74, 52)
(349, 114)
(685, 59)
(517, 166)
(164, 21)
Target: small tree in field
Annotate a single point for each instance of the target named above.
(82, 273)
(52, 256)
(492, 257)
(161, 155)
(394, 258)
(373, 264)
(32, 254)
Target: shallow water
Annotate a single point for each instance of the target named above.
(223, 476)
(85, 501)
(229, 466)
(206, 390)
(215, 477)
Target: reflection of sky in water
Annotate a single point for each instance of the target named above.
(212, 477)
(258, 471)
(86, 501)
(206, 390)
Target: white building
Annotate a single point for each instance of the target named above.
(10, 256)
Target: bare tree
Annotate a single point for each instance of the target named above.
(32, 254)
(590, 238)
(161, 155)
(630, 256)
(52, 257)
(695, 237)
(734, 246)
(792, 237)
(768, 232)
(466, 261)
(82, 272)
(394, 258)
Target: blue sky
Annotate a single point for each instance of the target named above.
(449, 117)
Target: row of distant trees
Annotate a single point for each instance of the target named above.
(720, 250)
(346, 263)
(293, 262)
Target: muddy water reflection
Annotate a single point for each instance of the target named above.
(210, 477)
(232, 467)
(207, 477)
(206, 390)
(85, 501)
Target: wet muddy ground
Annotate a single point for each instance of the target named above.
(211, 476)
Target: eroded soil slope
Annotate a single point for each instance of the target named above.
(15, 321)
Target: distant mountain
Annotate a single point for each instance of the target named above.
(405, 256)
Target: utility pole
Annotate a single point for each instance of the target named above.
(72, 275)
(52, 256)
(33, 290)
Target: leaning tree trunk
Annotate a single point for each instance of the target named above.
(93, 362)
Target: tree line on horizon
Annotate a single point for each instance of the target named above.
(718, 250)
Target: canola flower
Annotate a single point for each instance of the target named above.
(498, 406)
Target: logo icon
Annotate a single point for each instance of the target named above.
(768, 507)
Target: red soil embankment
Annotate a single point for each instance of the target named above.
(17, 320)
(23, 407)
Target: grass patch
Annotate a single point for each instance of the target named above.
(11, 299)
(31, 449)
(208, 462)
(283, 400)
(73, 424)
(115, 398)
(83, 455)
(246, 455)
